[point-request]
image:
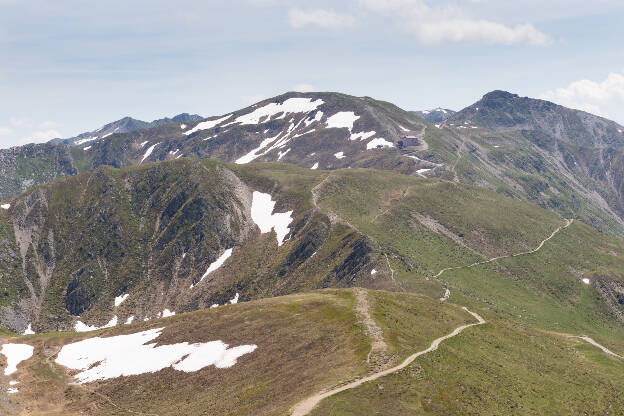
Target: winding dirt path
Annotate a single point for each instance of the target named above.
(595, 344)
(305, 406)
(524, 253)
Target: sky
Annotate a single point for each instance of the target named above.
(69, 66)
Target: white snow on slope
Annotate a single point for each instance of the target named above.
(148, 152)
(586, 281)
(378, 142)
(126, 355)
(364, 135)
(256, 152)
(422, 172)
(339, 155)
(205, 125)
(86, 148)
(262, 214)
(12, 390)
(317, 117)
(144, 143)
(29, 331)
(129, 320)
(182, 126)
(281, 154)
(106, 135)
(216, 264)
(82, 327)
(119, 299)
(5, 206)
(167, 313)
(342, 119)
(403, 128)
(234, 300)
(83, 141)
(15, 354)
(291, 105)
(315, 166)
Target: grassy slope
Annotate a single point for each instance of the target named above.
(306, 342)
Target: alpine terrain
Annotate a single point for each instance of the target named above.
(317, 254)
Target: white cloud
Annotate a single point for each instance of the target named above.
(304, 88)
(43, 136)
(604, 98)
(451, 24)
(5, 131)
(328, 19)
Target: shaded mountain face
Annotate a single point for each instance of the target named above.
(437, 115)
(561, 159)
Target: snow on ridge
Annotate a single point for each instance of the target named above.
(148, 152)
(216, 264)
(5, 206)
(119, 299)
(291, 105)
(262, 215)
(205, 125)
(15, 354)
(373, 144)
(133, 354)
(342, 119)
(82, 327)
(83, 141)
(106, 135)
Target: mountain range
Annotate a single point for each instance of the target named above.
(318, 253)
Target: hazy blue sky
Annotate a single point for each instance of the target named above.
(67, 66)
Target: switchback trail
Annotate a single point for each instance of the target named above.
(304, 407)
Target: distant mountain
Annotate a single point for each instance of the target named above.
(562, 159)
(436, 115)
(126, 125)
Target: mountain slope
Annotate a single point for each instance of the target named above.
(564, 160)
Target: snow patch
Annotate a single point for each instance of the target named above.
(148, 152)
(205, 125)
(586, 281)
(87, 148)
(364, 135)
(216, 264)
(12, 390)
(379, 142)
(342, 119)
(29, 331)
(403, 128)
(106, 135)
(15, 354)
(315, 166)
(119, 299)
(281, 154)
(126, 355)
(83, 141)
(421, 172)
(262, 215)
(339, 155)
(291, 105)
(5, 206)
(234, 300)
(129, 320)
(167, 313)
(182, 126)
(82, 327)
(13, 382)
(317, 117)
(373, 271)
(144, 143)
